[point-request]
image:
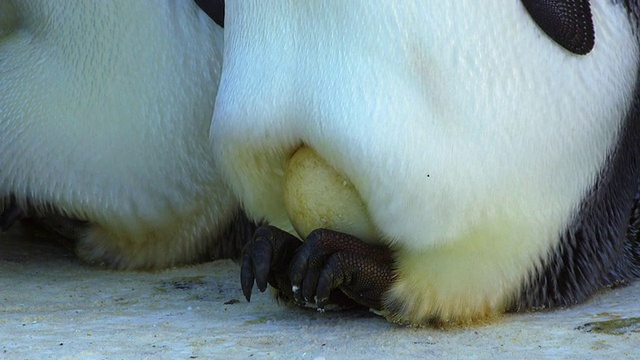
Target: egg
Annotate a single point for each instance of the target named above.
(316, 196)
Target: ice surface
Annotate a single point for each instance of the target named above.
(51, 305)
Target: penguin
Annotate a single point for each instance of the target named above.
(492, 148)
(104, 121)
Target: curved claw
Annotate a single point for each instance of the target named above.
(256, 262)
(262, 253)
(330, 278)
(265, 260)
(305, 268)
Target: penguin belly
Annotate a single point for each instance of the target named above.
(497, 163)
(104, 121)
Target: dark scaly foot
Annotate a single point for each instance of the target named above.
(330, 260)
(266, 258)
(347, 271)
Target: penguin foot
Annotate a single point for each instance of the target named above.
(360, 273)
(265, 259)
(331, 260)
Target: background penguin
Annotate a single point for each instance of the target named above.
(493, 144)
(104, 120)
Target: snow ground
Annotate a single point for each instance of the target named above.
(53, 306)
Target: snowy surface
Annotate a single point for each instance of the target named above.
(53, 306)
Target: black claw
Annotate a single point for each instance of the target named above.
(262, 254)
(324, 286)
(297, 271)
(331, 277)
(265, 260)
(246, 273)
(310, 284)
(306, 267)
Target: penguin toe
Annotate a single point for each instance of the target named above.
(265, 259)
(330, 260)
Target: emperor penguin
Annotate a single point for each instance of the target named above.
(104, 129)
(443, 161)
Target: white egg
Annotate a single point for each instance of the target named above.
(317, 196)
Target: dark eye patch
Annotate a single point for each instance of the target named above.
(567, 22)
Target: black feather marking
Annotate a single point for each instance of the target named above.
(567, 22)
(601, 247)
(213, 8)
